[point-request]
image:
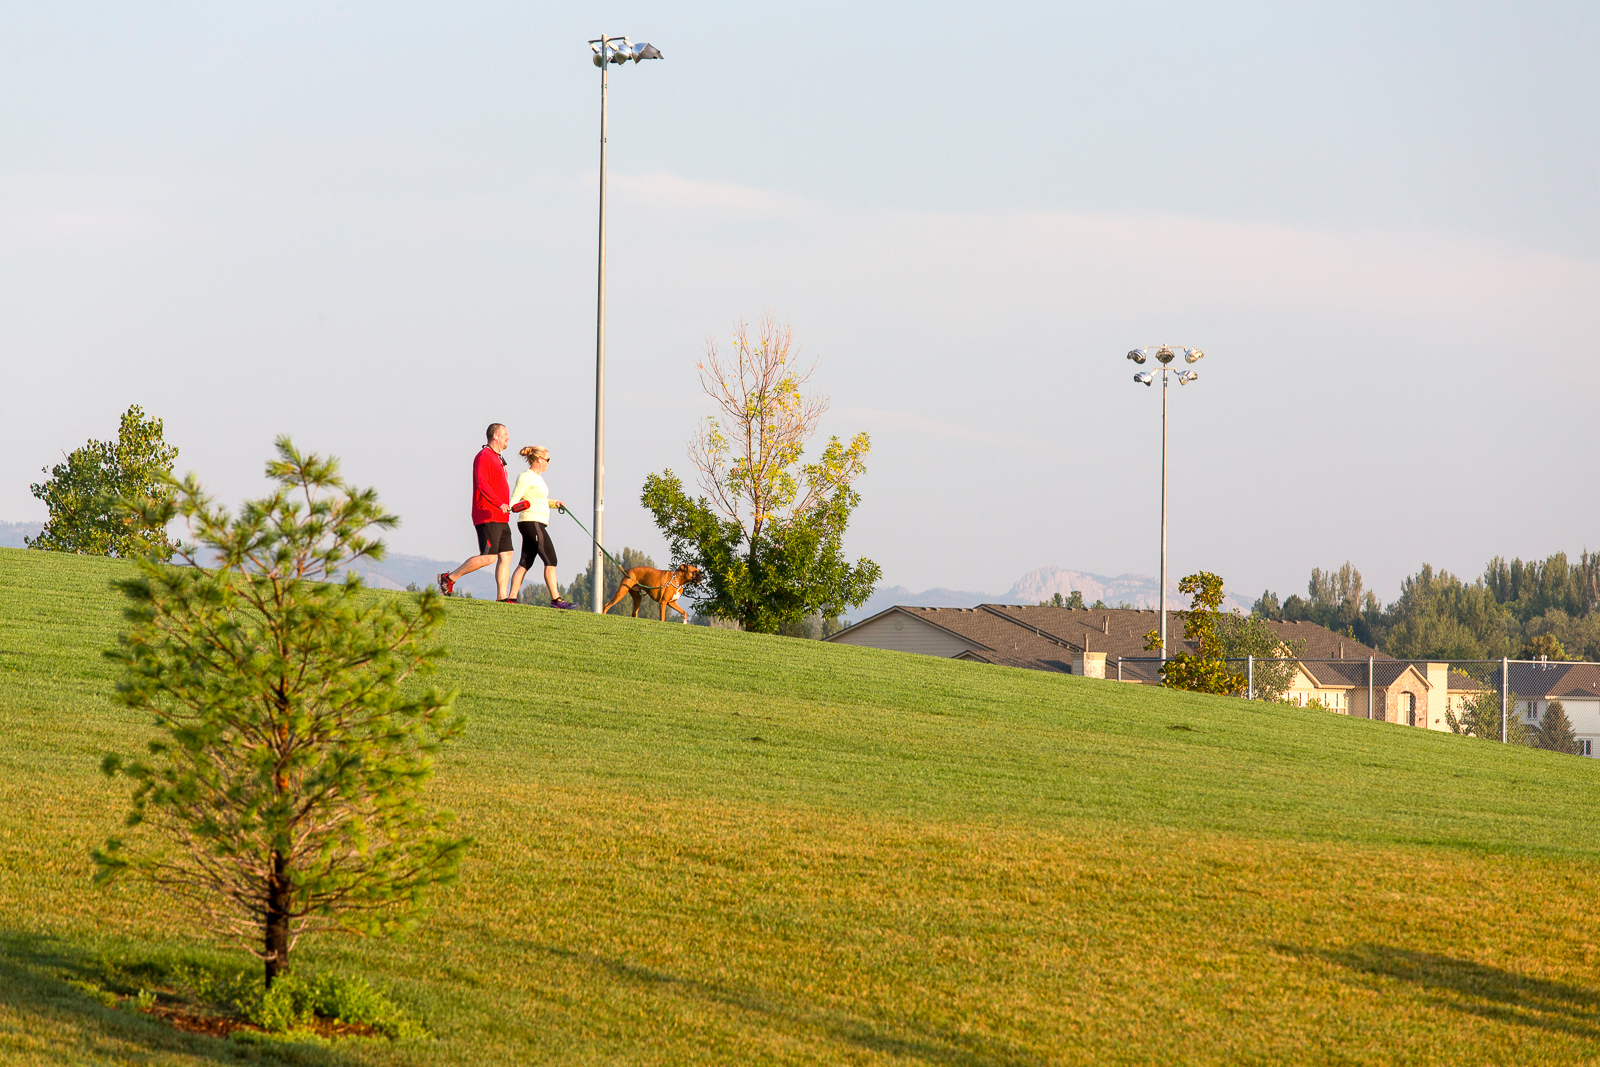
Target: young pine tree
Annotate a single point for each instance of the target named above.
(1555, 731)
(283, 792)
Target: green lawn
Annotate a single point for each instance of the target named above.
(700, 846)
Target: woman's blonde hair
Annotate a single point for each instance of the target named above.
(534, 453)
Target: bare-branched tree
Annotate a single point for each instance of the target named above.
(747, 455)
(769, 531)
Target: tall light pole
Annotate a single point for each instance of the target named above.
(607, 50)
(1164, 355)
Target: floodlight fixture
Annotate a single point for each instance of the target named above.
(619, 50)
(1164, 354)
(607, 51)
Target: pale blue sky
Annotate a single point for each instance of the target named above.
(371, 226)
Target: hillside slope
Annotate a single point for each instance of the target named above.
(705, 846)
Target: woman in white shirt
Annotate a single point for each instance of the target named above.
(530, 498)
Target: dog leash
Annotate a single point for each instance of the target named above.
(602, 548)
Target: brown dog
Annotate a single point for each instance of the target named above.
(662, 586)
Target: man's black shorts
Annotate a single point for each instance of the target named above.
(536, 544)
(494, 538)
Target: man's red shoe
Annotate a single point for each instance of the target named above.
(447, 584)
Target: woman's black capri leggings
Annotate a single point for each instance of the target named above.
(536, 544)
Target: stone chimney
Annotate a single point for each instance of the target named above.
(1088, 664)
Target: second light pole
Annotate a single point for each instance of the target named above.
(607, 50)
(1164, 355)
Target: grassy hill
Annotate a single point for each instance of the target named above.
(703, 846)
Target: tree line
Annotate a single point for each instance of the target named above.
(1522, 609)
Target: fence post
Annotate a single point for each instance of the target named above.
(1369, 687)
(1250, 678)
(1505, 686)
(1119, 668)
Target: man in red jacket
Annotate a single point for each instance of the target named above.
(491, 515)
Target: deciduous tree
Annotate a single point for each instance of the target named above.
(769, 532)
(1241, 636)
(1335, 599)
(1481, 718)
(1533, 588)
(1438, 616)
(283, 791)
(1542, 646)
(83, 490)
(1204, 670)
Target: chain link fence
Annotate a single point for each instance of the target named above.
(1540, 703)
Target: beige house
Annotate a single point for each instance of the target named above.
(1344, 675)
(1386, 689)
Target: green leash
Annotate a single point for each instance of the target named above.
(613, 559)
(589, 535)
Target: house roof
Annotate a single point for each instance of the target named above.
(1114, 631)
(1552, 681)
(1323, 643)
(1017, 659)
(998, 640)
(1353, 672)
(1127, 628)
(1459, 681)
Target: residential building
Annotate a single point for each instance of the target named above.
(976, 634)
(1534, 686)
(1339, 672)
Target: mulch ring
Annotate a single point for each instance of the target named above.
(190, 1020)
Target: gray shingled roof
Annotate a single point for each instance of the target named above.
(1353, 672)
(1552, 681)
(1017, 659)
(1002, 641)
(1084, 627)
(1323, 643)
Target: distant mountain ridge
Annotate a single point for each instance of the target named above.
(12, 533)
(1134, 590)
(399, 570)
